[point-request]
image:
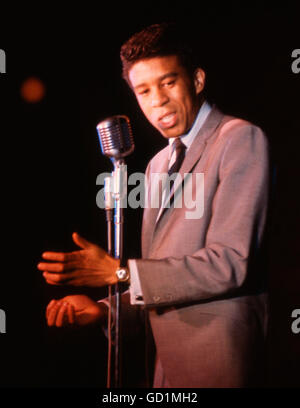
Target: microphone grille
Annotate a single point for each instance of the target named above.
(115, 136)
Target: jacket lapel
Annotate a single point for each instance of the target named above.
(153, 190)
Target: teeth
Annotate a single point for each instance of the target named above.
(168, 117)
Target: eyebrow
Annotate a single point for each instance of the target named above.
(168, 75)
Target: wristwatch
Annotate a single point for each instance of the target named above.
(123, 274)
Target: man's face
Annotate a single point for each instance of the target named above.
(167, 94)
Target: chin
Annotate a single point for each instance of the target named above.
(172, 132)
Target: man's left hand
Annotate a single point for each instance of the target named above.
(90, 266)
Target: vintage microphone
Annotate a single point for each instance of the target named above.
(116, 140)
(115, 137)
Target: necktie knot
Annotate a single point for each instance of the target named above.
(179, 146)
(179, 155)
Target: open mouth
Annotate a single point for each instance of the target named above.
(168, 120)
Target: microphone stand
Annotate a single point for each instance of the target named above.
(119, 178)
(109, 208)
(116, 141)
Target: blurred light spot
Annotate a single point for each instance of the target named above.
(32, 90)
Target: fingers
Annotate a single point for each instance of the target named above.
(52, 311)
(57, 267)
(56, 273)
(59, 256)
(60, 313)
(69, 256)
(52, 303)
(56, 278)
(71, 314)
(80, 241)
(51, 267)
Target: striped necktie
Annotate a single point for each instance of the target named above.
(180, 153)
(179, 156)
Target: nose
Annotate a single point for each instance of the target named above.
(158, 98)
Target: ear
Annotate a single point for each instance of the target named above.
(199, 80)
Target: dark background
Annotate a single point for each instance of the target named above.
(51, 157)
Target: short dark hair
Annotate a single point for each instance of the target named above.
(159, 40)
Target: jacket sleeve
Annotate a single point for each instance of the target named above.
(234, 234)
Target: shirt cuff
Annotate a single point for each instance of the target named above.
(136, 294)
(110, 310)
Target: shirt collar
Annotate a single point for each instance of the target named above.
(189, 137)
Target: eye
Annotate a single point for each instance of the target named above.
(169, 83)
(143, 92)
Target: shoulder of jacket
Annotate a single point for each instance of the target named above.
(232, 126)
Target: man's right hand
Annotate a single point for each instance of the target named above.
(75, 310)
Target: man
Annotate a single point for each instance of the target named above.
(200, 279)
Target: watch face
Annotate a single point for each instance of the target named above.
(122, 274)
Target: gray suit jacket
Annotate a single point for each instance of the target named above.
(201, 278)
